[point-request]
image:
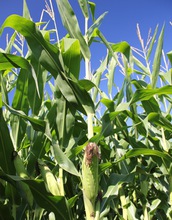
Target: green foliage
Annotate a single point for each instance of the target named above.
(50, 114)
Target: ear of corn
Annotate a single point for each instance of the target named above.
(21, 171)
(51, 183)
(90, 181)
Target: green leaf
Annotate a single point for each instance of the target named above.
(36, 85)
(92, 6)
(38, 124)
(64, 119)
(38, 150)
(137, 152)
(159, 120)
(11, 43)
(55, 204)
(20, 100)
(71, 24)
(6, 147)
(46, 53)
(157, 59)
(97, 77)
(48, 56)
(83, 97)
(146, 94)
(26, 13)
(152, 43)
(169, 54)
(86, 84)
(111, 192)
(8, 61)
(141, 66)
(96, 24)
(76, 95)
(72, 201)
(63, 161)
(110, 74)
(122, 47)
(146, 152)
(71, 56)
(84, 7)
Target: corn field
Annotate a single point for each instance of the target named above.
(79, 146)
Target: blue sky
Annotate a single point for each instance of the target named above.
(118, 25)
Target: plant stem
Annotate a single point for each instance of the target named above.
(88, 76)
(90, 125)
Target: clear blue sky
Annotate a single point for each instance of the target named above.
(118, 25)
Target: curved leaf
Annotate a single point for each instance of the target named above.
(157, 59)
(46, 53)
(8, 61)
(63, 161)
(84, 7)
(48, 56)
(71, 24)
(71, 56)
(146, 152)
(135, 153)
(56, 204)
(146, 94)
(6, 148)
(122, 47)
(38, 124)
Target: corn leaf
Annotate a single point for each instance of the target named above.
(48, 56)
(36, 91)
(84, 7)
(159, 120)
(152, 43)
(20, 102)
(146, 94)
(157, 59)
(122, 47)
(6, 147)
(38, 124)
(63, 161)
(92, 6)
(146, 152)
(71, 24)
(56, 204)
(71, 56)
(8, 61)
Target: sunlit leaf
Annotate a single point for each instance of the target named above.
(8, 61)
(38, 124)
(71, 24)
(63, 161)
(71, 56)
(84, 7)
(157, 59)
(92, 6)
(146, 94)
(122, 47)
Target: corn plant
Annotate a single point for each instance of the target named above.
(76, 146)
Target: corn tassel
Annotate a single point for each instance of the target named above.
(21, 171)
(90, 178)
(51, 183)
